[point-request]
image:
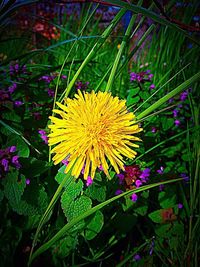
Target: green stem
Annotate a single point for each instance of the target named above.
(95, 48)
(174, 92)
(119, 54)
(65, 183)
(69, 225)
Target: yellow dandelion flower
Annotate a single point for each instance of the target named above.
(93, 128)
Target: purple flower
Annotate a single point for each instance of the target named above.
(28, 181)
(65, 161)
(51, 93)
(12, 88)
(185, 177)
(43, 136)
(4, 163)
(145, 174)
(184, 95)
(89, 181)
(175, 112)
(121, 178)
(63, 77)
(152, 86)
(118, 192)
(101, 168)
(18, 103)
(150, 76)
(16, 162)
(161, 187)
(12, 149)
(138, 183)
(136, 257)
(177, 123)
(171, 100)
(153, 130)
(134, 197)
(180, 205)
(161, 170)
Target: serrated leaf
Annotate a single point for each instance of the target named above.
(63, 247)
(155, 216)
(76, 207)
(96, 192)
(14, 188)
(132, 100)
(24, 208)
(94, 225)
(22, 148)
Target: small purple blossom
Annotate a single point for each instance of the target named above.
(101, 168)
(180, 205)
(121, 178)
(44, 136)
(138, 183)
(136, 257)
(12, 149)
(177, 122)
(12, 88)
(152, 86)
(145, 174)
(4, 163)
(185, 177)
(175, 112)
(184, 95)
(18, 103)
(171, 100)
(153, 129)
(118, 192)
(161, 187)
(150, 76)
(161, 170)
(51, 93)
(89, 181)
(134, 197)
(65, 162)
(28, 181)
(16, 162)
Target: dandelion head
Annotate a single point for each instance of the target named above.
(92, 129)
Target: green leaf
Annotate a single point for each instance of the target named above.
(42, 201)
(33, 167)
(155, 216)
(167, 123)
(141, 210)
(132, 100)
(63, 247)
(14, 188)
(94, 225)
(167, 200)
(24, 208)
(77, 207)
(22, 148)
(96, 192)
(11, 116)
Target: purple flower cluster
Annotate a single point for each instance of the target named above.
(8, 159)
(142, 77)
(81, 86)
(15, 69)
(183, 96)
(131, 178)
(43, 135)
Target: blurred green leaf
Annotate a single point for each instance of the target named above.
(94, 225)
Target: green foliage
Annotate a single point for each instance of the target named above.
(94, 225)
